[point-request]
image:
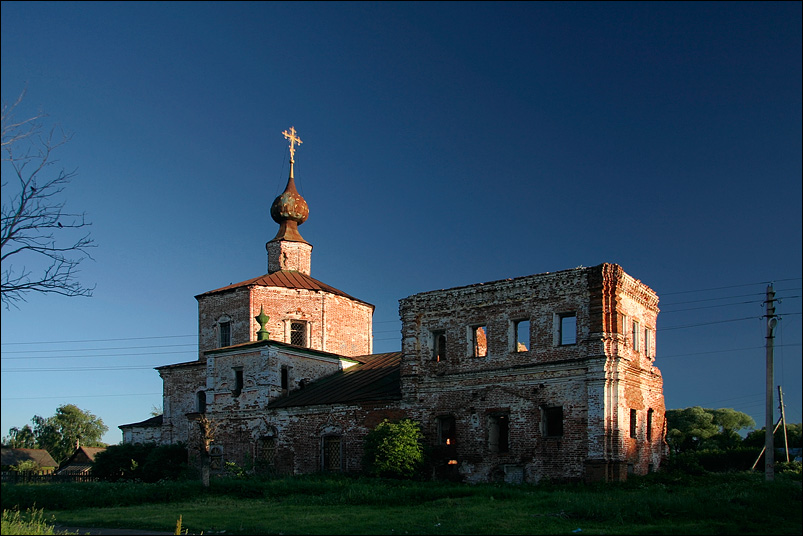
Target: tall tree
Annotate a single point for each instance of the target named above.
(42, 244)
(20, 438)
(67, 429)
(695, 428)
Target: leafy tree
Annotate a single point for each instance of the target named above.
(694, 428)
(20, 438)
(68, 428)
(394, 449)
(42, 244)
(794, 437)
(146, 462)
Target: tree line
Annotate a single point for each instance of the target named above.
(59, 434)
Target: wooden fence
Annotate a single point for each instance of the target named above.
(38, 477)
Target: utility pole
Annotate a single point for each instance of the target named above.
(783, 420)
(769, 442)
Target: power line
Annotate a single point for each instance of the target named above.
(99, 349)
(98, 355)
(731, 286)
(100, 340)
(76, 396)
(723, 351)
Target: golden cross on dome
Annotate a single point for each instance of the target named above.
(293, 141)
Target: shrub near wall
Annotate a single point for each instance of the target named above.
(146, 463)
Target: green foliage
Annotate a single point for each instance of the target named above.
(794, 433)
(25, 465)
(60, 433)
(146, 463)
(697, 428)
(20, 438)
(658, 503)
(793, 469)
(30, 522)
(394, 449)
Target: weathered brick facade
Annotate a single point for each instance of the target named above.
(544, 376)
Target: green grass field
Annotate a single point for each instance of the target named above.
(732, 503)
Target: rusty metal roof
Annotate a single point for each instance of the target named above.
(378, 378)
(285, 279)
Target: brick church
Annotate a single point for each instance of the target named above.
(547, 376)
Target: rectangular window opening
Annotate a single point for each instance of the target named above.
(648, 342)
(331, 454)
(447, 433)
(298, 333)
(635, 335)
(553, 421)
(479, 342)
(499, 433)
(568, 329)
(633, 422)
(224, 330)
(522, 330)
(266, 452)
(649, 424)
(238, 381)
(439, 346)
(285, 380)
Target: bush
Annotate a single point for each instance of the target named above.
(394, 449)
(147, 463)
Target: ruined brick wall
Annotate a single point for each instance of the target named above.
(261, 376)
(334, 323)
(180, 385)
(595, 386)
(300, 433)
(142, 434)
(231, 305)
(586, 358)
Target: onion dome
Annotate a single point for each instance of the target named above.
(290, 209)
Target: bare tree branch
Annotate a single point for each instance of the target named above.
(35, 229)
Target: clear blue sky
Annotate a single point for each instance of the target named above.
(445, 144)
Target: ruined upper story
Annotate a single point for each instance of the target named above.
(543, 318)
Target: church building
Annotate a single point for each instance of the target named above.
(546, 376)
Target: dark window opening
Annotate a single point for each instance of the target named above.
(568, 329)
(201, 402)
(439, 346)
(447, 432)
(522, 336)
(331, 454)
(499, 433)
(285, 380)
(649, 424)
(298, 333)
(635, 334)
(553, 421)
(633, 422)
(225, 333)
(238, 382)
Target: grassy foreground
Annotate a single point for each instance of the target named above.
(735, 503)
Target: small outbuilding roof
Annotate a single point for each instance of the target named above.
(15, 456)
